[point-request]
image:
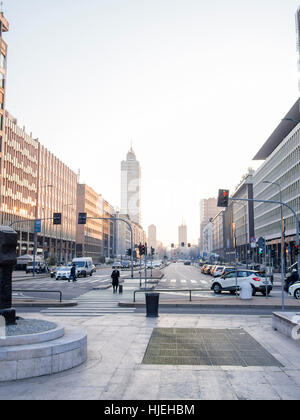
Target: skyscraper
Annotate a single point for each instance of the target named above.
(182, 234)
(152, 242)
(131, 187)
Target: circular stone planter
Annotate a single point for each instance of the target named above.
(50, 350)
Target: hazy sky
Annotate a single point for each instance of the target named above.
(197, 85)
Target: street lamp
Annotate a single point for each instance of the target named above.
(35, 232)
(282, 239)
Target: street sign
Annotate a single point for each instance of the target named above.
(253, 240)
(38, 226)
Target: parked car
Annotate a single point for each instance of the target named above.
(187, 262)
(207, 269)
(212, 269)
(227, 282)
(203, 268)
(218, 271)
(294, 290)
(39, 267)
(157, 264)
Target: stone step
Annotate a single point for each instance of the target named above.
(44, 358)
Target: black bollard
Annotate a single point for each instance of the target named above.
(8, 260)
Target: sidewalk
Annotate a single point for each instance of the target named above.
(115, 369)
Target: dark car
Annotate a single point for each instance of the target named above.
(187, 262)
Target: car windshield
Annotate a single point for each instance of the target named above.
(63, 268)
(80, 264)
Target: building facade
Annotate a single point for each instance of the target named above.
(152, 239)
(131, 187)
(208, 210)
(19, 181)
(281, 165)
(182, 235)
(89, 237)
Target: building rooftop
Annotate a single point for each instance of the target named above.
(280, 133)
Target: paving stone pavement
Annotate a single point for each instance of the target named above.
(114, 370)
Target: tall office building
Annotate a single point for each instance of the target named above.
(208, 210)
(182, 234)
(152, 241)
(131, 187)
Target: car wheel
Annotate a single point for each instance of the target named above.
(253, 291)
(297, 294)
(84, 274)
(217, 289)
(232, 292)
(91, 273)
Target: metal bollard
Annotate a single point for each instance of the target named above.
(120, 288)
(8, 260)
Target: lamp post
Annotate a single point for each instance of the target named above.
(282, 239)
(35, 232)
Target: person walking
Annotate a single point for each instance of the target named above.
(115, 280)
(73, 273)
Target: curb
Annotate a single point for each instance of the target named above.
(208, 306)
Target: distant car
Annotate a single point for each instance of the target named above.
(39, 268)
(156, 264)
(229, 281)
(203, 268)
(64, 273)
(212, 269)
(125, 264)
(207, 269)
(187, 262)
(117, 264)
(294, 290)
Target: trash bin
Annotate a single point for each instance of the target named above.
(120, 288)
(152, 300)
(245, 291)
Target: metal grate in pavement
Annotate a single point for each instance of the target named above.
(209, 347)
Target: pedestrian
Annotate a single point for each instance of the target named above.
(73, 273)
(115, 280)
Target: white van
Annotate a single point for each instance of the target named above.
(84, 266)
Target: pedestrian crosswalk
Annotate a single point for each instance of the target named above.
(92, 304)
(46, 283)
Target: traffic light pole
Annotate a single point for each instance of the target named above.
(297, 233)
(117, 219)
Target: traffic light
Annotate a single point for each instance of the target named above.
(152, 251)
(142, 249)
(172, 246)
(189, 245)
(296, 250)
(223, 198)
(182, 244)
(128, 252)
(82, 218)
(57, 218)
